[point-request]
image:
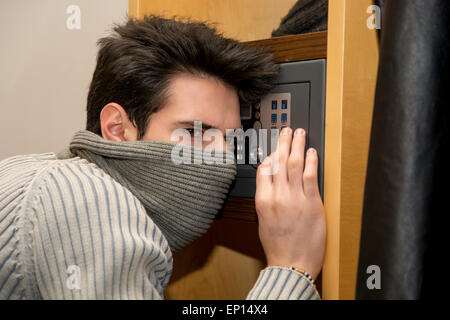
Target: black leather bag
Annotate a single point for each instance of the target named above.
(406, 193)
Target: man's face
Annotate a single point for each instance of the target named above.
(195, 99)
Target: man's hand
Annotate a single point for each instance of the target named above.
(291, 216)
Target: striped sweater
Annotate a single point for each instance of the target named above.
(69, 231)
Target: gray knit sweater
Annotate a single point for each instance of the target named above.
(69, 231)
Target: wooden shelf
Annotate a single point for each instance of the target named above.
(239, 209)
(298, 47)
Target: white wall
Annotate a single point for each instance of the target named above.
(46, 68)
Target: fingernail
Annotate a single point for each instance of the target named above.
(299, 132)
(311, 151)
(286, 131)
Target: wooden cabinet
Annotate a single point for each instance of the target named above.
(243, 20)
(225, 262)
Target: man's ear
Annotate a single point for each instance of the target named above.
(116, 125)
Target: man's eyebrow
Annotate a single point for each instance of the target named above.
(205, 126)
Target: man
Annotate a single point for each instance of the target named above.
(101, 220)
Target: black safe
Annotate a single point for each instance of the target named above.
(298, 101)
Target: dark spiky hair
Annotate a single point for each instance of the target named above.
(136, 63)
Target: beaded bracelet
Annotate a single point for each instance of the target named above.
(301, 271)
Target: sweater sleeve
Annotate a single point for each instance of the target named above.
(279, 283)
(93, 240)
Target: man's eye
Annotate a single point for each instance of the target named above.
(192, 130)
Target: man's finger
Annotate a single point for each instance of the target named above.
(280, 158)
(264, 173)
(310, 183)
(264, 184)
(296, 160)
